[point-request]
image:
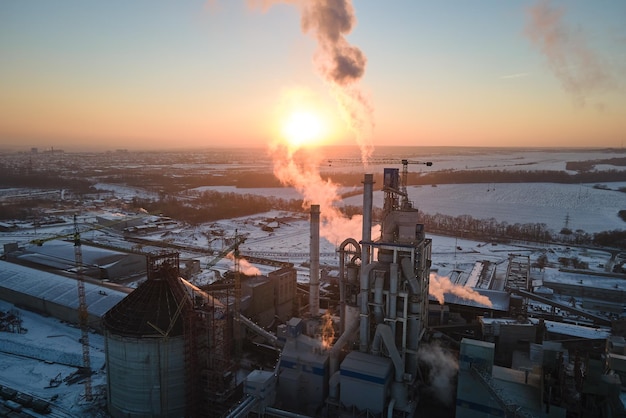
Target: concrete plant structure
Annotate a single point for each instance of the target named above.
(383, 284)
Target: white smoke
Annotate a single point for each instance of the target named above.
(339, 63)
(443, 368)
(244, 266)
(440, 285)
(300, 169)
(580, 70)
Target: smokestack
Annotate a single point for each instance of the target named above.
(314, 282)
(368, 197)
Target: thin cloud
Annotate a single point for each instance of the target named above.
(515, 75)
(581, 71)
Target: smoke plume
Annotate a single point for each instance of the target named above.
(440, 285)
(443, 368)
(300, 170)
(580, 71)
(339, 63)
(244, 266)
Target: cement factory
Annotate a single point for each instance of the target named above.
(253, 346)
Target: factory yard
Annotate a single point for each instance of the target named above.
(31, 360)
(43, 357)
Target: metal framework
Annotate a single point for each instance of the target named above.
(83, 314)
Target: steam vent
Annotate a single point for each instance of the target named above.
(157, 344)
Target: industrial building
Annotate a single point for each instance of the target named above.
(54, 295)
(98, 263)
(172, 348)
(247, 346)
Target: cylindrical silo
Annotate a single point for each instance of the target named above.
(145, 351)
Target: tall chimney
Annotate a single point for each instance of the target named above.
(368, 197)
(314, 282)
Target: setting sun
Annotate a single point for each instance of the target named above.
(302, 128)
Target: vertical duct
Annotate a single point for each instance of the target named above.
(368, 197)
(314, 281)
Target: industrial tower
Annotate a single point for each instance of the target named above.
(372, 368)
(385, 290)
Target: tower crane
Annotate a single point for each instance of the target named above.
(234, 247)
(237, 240)
(405, 174)
(83, 315)
(237, 304)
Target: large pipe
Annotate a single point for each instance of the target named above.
(379, 282)
(269, 337)
(415, 317)
(333, 386)
(364, 333)
(243, 408)
(368, 197)
(384, 335)
(333, 361)
(393, 294)
(283, 413)
(411, 277)
(345, 275)
(399, 390)
(314, 281)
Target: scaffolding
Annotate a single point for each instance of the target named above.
(219, 376)
(518, 277)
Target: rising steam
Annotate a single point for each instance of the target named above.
(443, 368)
(440, 285)
(580, 71)
(244, 266)
(339, 63)
(296, 168)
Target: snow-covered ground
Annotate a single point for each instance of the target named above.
(47, 350)
(585, 207)
(50, 348)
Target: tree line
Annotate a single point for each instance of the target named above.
(211, 206)
(491, 230)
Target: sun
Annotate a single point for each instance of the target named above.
(303, 128)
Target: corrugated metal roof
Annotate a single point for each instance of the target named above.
(151, 310)
(57, 289)
(60, 254)
(499, 300)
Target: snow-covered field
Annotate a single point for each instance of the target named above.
(584, 207)
(48, 350)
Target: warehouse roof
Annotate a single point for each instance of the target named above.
(57, 289)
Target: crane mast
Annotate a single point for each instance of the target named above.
(405, 176)
(83, 315)
(237, 304)
(394, 190)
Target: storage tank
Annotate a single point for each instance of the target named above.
(145, 348)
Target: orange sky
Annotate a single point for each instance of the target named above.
(172, 77)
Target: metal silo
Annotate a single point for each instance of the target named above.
(145, 346)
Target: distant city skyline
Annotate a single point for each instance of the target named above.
(152, 74)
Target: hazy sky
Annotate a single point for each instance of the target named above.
(141, 74)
